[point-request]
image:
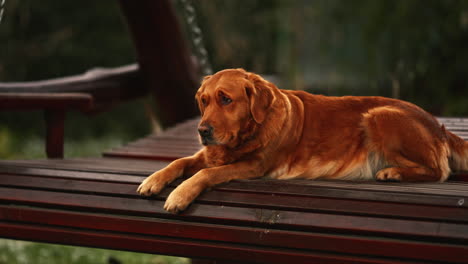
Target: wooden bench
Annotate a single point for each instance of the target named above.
(92, 202)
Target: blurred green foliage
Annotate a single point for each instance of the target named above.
(411, 49)
(54, 38)
(19, 252)
(48, 39)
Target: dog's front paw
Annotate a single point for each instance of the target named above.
(152, 185)
(388, 174)
(176, 203)
(181, 197)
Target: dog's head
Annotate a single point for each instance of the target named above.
(232, 102)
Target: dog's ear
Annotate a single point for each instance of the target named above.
(261, 96)
(200, 104)
(201, 107)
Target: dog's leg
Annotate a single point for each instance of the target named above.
(154, 183)
(407, 171)
(187, 191)
(411, 147)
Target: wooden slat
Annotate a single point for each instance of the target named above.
(178, 141)
(104, 169)
(181, 141)
(27, 101)
(122, 166)
(188, 248)
(272, 199)
(105, 85)
(446, 120)
(166, 142)
(409, 208)
(236, 234)
(416, 226)
(104, 165)
(161, 154)
(226, 214)
(186, 129)
(430, 193)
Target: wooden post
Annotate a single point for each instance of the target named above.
(164, 58)
(207, 261)
(55, 126)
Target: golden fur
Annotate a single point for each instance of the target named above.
(254, 129)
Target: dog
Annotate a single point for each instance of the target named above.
(249, 128)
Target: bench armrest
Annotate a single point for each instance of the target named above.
(106, 85)
(92, 91)
(38, 101)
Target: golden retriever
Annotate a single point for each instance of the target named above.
(250, 128)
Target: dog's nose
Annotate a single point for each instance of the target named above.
(205, 131)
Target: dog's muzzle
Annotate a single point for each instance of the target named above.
(206, 134)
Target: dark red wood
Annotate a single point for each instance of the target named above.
(220, 214)
(460, 176)
(104, 85)
(164, 58)
(115, 166)
(69, 175)
(110, 166)
(182, 141)
(356, 245)
(207, 261)
(34, 101)
(55, 133)
(367, 190)
(188, 248)
(147, 154)
(89, 92)
(273, 201)
(447, 194)
(166, 142)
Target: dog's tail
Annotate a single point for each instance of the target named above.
(459, 152)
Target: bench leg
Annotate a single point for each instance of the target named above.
(55, 126)
(207, 261)
(202, 261)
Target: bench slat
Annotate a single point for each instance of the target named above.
(115, 166)
(447, 194)
(182, 247)
(122, 169)
(118, 197)
(259, 200)
(235, 234)
(182, 141)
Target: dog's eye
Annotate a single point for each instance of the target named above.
(203, 101)
(224, 99)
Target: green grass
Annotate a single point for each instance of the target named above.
(21, 252)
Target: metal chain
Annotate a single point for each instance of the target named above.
(2, 9)
(197, 37)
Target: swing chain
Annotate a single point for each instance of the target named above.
(2, 9)
(196, 36)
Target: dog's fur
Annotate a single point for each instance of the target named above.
(250, 128)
